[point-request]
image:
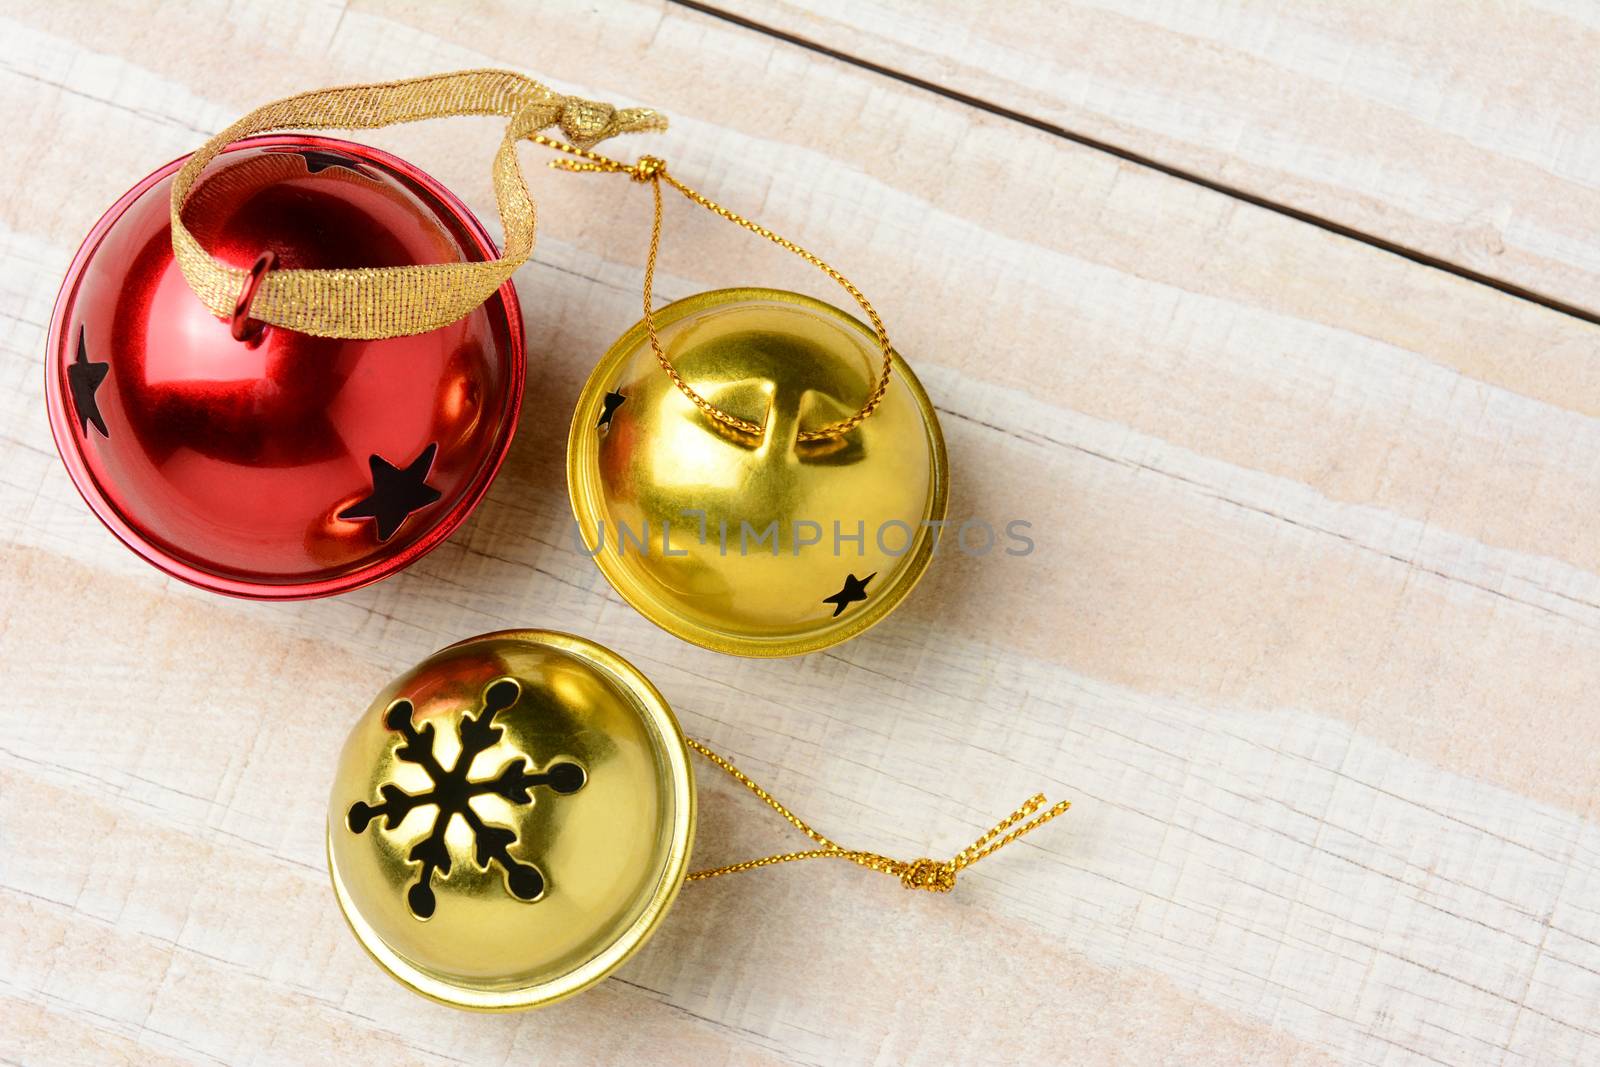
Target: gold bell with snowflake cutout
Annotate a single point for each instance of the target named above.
(754, 470)
(513, 817)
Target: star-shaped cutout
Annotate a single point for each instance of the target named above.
(83, 378)
(854, 589)
(396, 493)
(612, 402)
(319, 161)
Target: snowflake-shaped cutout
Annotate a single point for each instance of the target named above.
(451, 793)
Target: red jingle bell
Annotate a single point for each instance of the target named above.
(358, 402)
(258, 460)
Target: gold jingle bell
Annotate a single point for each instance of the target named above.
(510, 819)
(771, 540)
(755, 471)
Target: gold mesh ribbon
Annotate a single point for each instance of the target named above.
(372, 302)
(935, 876)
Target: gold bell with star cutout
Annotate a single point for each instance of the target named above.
(513, 817)
(754, 470)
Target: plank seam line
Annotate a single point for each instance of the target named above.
(1139, 159)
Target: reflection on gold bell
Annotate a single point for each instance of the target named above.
(510, 819)
(754, 535)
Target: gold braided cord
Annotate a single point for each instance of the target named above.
(373, 302)
(653, 171)
(936, 876)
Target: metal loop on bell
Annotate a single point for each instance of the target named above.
(241, 325)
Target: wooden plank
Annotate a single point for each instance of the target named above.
(1465, 132)
(1310, 635)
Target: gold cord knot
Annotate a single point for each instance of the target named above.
(932, 875)
(648, 168)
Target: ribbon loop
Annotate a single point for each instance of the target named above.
(375, 302)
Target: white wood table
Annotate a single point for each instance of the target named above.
(1306, 417)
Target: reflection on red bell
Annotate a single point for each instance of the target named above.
(283, 465)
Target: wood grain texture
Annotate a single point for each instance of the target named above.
(1311, 637)
(1465, 132)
